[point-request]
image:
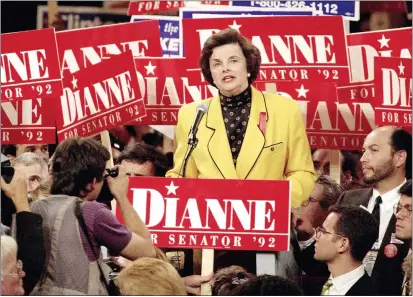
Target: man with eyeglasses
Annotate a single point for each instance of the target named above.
(342, 242)
(403, 213)
(386, 164)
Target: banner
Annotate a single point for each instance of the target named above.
(29, 65)
(29, 121)
(100, 97)
(213, 213)
(393, 100)
(77, 17)
(165, 88)
(329, 124)
(287, 53)
(149, 7)
(170, 31)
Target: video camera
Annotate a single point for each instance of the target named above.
(105, 195)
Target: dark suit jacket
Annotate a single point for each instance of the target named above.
(387, 274)
(363, 287)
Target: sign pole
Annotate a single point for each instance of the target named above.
(105, 139)
(52, 8)
(207, 268)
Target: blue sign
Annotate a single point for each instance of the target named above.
(348, 9)
(188, 13)
(170, 32)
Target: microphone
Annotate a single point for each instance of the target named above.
(201, 109)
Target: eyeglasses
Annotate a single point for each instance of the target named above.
(308, 201)
(19, 269)
(399, 207)
(319, 231)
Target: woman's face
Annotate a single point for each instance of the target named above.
(229, 69)
(12, 274)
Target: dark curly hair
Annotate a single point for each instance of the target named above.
(228, 36)
(267, 285)
(76, 163)
(227, 279)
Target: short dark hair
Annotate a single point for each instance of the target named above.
(331, 191)
(9, 149)
(406, 189)
(228, 36)
(227, 279)
(359, 226)
(76, 162)
(401, 140)
(141, 153)
(267, 285)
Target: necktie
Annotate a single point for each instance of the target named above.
(326, 287)
(376, 209)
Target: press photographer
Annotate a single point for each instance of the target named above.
(75, 264)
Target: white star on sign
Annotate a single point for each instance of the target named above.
(302, 92)
(171, 188)
(384, 42)
(401, 68)
(150, 68)
(74, 83)
(235, 26)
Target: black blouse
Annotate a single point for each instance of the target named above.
(236, 112)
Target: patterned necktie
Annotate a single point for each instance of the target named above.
(376, 209)
(326, 287)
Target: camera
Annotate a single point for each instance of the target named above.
(105, 195)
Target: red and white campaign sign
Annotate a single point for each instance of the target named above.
(165, 88)
(364, 47)
(29, 65)
(100, 97)
(393, 100)
(287, 51)
(329, 124)
(213, 213)
(30, 121)
(78, 49)
(148, 7)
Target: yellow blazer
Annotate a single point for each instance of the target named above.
(282, 153)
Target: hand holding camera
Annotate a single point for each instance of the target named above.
(16, 190)
(118, 185)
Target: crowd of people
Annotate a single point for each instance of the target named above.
(61, 237)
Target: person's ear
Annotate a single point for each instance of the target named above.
(343, 245)
(90, 187)
(400, 158)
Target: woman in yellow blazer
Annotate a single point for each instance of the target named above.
(232, 142)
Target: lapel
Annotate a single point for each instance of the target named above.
(364, 199)
(254, 140)
(218, 145)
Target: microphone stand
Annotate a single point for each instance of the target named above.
(192, 143)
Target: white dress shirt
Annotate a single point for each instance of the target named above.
(344, 282)
(389, 199)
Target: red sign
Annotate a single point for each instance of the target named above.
(165, 88)
(148, 7)
(29, 65)
(30, 121)
(287, 51)
(329, 124)
(363, 47)
(393, 102)
(213, 213)
(100, 97)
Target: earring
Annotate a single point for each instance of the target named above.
(249, 74)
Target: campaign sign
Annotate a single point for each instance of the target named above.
(149, 7)
(100, 97)
(170, 31)
(393, 100)
(287, 51)
(329, 124)
(350, 10)
(364, 47)
(81, 48)
(29, 65)
(77, 17)
(165, 87)
(30, 121)
(213, 213)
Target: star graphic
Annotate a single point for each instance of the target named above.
(384, 42)
(171, 188)
(74, 83)
(150, 68)
(302, 92)
(235, 26)
(401, 68)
